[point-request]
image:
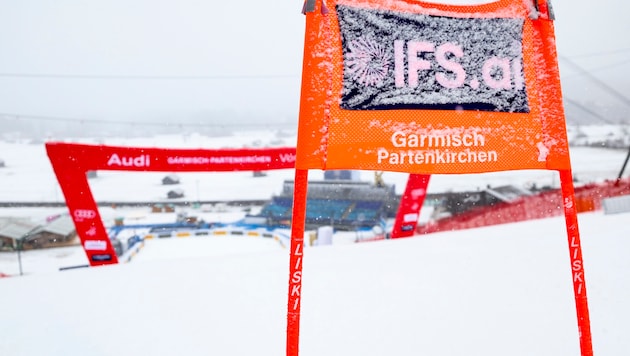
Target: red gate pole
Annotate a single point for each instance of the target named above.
(577, 263)
(295, 261)
(410, 206)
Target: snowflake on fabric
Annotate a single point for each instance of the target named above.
(367, 62)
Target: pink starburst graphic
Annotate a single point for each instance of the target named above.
(367, 61)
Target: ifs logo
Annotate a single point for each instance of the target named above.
(411, 61)
(446, 66)
(368, 62)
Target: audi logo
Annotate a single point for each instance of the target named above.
(84, 214)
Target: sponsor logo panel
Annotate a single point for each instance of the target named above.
(95, 245)
(83, 214)
(101, 257)
(395, 60)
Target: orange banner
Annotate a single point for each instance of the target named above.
(430, 89)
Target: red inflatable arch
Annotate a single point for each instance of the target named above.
(71, 162)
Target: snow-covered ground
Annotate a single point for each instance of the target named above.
(491, 291)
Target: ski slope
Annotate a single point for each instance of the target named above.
(491, 291)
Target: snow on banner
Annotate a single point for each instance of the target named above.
(396, 60)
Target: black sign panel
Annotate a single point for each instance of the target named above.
(101, 257)
(398, 60)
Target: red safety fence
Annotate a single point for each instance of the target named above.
(547, 204)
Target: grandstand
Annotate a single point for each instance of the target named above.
(345, 204)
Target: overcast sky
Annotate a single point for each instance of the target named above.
(168, 59)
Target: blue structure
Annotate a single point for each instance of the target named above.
(344, 204)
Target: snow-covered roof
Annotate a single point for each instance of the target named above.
(63, 226)
(16, 228)
(508, 193)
